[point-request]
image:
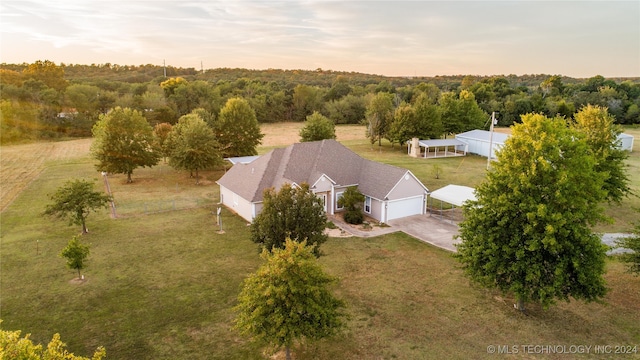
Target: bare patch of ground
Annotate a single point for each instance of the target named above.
(78, 281)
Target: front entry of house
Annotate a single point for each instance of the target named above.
(325, 203)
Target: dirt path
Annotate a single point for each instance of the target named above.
(21, 164)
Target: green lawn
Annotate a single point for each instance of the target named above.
(161, 285)
(470, 171)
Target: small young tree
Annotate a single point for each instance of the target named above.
(292, 212)
(75, 200)
(352, 201)
(287, 300)
(318, 127)
(76, 255)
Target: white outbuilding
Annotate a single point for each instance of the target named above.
(455, 196)
(479, 141)
(625, 142)
(436, 148)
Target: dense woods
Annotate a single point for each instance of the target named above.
(45, 100)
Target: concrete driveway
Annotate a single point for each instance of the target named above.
(423, 227)
(428, 229)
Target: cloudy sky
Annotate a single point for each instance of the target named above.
(405, 38)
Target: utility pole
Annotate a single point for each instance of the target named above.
(493, 122)
(164, 64)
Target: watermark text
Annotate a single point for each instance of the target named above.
(531, 349)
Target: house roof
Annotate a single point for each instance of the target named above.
(307, 162)
(441, 142)
(241, 159)
(484, 135)
(455, 194)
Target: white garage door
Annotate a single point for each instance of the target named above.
(406, 207)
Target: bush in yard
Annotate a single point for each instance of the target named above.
(354, 216)
(351, 201)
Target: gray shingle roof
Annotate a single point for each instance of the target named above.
(306, 162)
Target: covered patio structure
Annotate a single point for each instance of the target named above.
(454, 196)
(436, 148)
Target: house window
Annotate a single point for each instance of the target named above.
(367, 204)
(338, 196)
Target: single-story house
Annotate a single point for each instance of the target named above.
(479, 141)
(329, 168)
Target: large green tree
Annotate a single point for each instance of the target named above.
(461, 113)
(237, 129)
(317, 127)
(47, 72)
(379, 115)
(421, 120)
(601, 134)
(347, 110)
(288, 300)
(529, 232)
(161, 141)
(194, 145)
(123, 141)
(75, 200)
(305, 100)
(428, 119)
(75, 253)
(292, 212)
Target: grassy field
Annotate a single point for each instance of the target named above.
(162, 285)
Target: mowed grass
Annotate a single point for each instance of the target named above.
(162, 285)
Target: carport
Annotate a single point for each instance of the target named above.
(436, 148)
(454, 196)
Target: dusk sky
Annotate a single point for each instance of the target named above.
(394, 38)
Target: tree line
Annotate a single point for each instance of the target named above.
(45, 100)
